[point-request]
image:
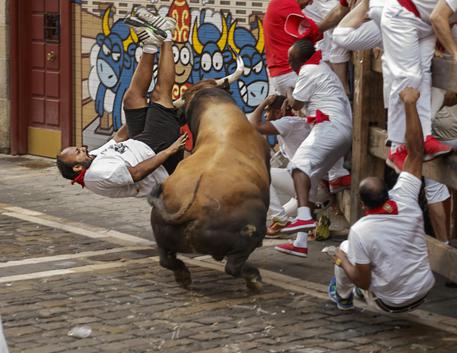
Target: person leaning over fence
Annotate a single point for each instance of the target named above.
(386, 251)
(135, 166)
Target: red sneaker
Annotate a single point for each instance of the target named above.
(434, 148)
(290, 249)
(396, 160)
(340, 184)
(299, 225)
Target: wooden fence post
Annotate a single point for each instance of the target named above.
(368, 110)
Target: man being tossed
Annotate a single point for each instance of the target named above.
(386, 251)
(133, 167)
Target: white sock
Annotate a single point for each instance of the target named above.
(304, 213)
(394, 146)
(150, 49)
(169, 36)
(302, 240)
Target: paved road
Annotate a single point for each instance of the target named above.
(70, 258)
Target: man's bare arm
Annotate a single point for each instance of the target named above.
(414, 135)
(356, 16)
(440, 22)
(143, 169)
(359, 274)
(333, 18)
(122, 134)
(263, 127)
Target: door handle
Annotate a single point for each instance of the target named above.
(51, 56)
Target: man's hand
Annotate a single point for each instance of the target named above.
(178, 144)
(410, 95)
(286, 106)
(269, 100)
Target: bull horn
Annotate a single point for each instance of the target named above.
(236, 75)
(231, 38)
(260, 38)
(132, 38)
(195, 41)
(223, 39)
(105, 23)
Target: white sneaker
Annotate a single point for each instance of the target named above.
(163, 23)
(149, 39)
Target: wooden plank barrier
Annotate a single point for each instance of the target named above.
(369, 150)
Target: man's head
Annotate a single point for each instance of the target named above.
(273, 110)
(373, 192)
(304, 3)
(300, 52)
(72, 160)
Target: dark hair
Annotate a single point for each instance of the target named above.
(66, 169)
(373, 193)
(304, 49)
(277, 103)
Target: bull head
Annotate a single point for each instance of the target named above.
(259, 46)
(221, 43)
(179, 103)
(132, 38)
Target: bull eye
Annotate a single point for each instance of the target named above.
(106, 50)
(218, 61)
(116, 56)
(258, 67)
(175, 54)
(185, 56)
(206, 62)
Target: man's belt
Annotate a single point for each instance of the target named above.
(399, 309)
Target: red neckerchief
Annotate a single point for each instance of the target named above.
(80, 178)
(315, 59)
(390, 208)
(318, 118)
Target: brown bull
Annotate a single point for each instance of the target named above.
(217, 199)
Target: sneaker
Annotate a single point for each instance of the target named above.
(340, 184)
(273, 231)
(434, 148)
(299, 225)
(341, 303)
(396, 160)
(162, 23)
(290, 249)
(358, 294)
(149, 37)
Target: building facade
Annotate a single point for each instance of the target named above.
(70, 63)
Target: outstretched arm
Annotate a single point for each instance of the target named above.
(440, 22)
(143, 169)
(333, 17)
(414, 136)
(122, 134)
(355, 18)
(263, 127)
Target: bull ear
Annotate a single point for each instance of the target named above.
(99, 39)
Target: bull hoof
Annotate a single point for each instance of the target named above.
(183, 278)
(253, 284)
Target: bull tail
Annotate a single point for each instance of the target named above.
(157, 203)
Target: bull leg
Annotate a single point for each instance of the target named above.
(238, 267)
(182, 274)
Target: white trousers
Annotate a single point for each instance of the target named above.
(435, 192)
(367, 36)
(409, 45)
(3, 345)
(318, 153)
(282, 84)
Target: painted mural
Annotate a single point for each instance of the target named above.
(206, 43)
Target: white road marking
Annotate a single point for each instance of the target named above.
(38, 260)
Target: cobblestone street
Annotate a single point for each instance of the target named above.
(70, 258)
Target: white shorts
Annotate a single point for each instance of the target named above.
(326, 143)
(282, 84)
(435, 192)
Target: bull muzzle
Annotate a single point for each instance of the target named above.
(221, 82)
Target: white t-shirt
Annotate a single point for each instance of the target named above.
(395, 246)
(108, 174)
(319, 88)
(425, 8)
(292, 131)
